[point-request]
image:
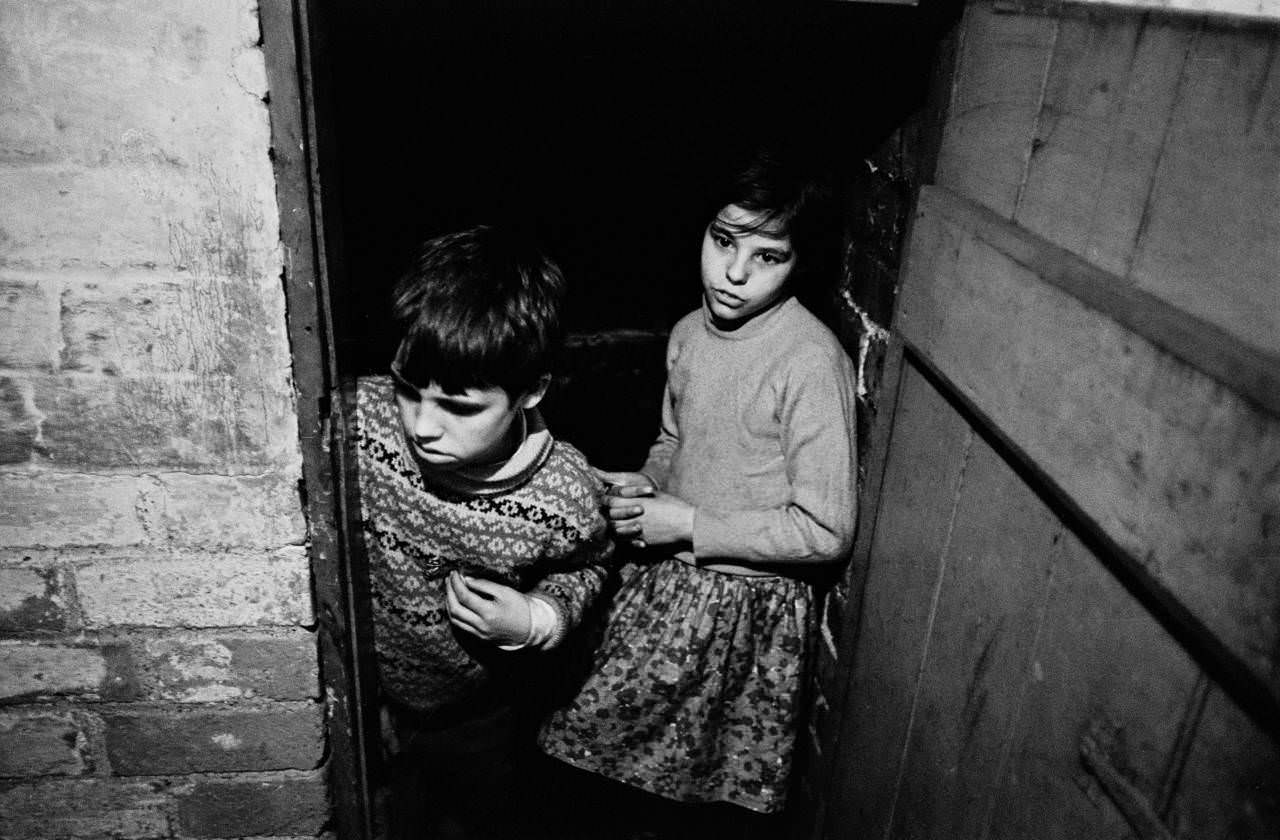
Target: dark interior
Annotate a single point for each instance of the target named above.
(597, 124)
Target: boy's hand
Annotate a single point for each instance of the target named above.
(488, 610)
(662, 518)
(620, 505)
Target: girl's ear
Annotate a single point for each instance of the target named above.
(535, 394)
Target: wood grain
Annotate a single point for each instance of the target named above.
(1181, 473)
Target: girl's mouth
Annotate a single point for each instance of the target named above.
(727, 298)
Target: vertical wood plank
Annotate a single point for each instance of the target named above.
(983, 638)
(1182, 474)
(1210, 240)
(1105, 117)
(1230, 785)
(995, 103)
(924, 470)
(1103, 667)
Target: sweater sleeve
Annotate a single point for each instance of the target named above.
(578, 578)
(658, 465)
(817, 418)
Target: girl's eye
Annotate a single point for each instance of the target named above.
(770, 258)
(721, 240)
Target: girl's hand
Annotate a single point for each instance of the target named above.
(662, 519)
(488, 610)
(626, 485)
(620, 506)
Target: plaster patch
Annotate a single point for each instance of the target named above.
(227, 741)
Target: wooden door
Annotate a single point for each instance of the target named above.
(1066, 622)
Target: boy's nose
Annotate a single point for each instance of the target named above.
(425, 424)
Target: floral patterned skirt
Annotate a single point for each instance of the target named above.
(696, 691)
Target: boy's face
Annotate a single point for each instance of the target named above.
(451, 431)
(743, 274)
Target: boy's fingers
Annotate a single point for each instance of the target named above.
(485, 588)
(625, 511)
(459, 597)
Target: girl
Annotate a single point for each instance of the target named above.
(696, 691)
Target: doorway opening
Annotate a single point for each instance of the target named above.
(596, 124)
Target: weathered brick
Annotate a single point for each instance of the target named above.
(68, 509)
(29, 669)
(190, 739)
(141, 115)
(201, 216)
(188, 421)
(41, 743)
(209, 591)
(66, 808)
(291, 803)
(30, 336)
(32, 598)
(229, 511)
(198, 667)
(147, 322)
(20, 420)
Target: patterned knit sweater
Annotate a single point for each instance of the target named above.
(538, 529)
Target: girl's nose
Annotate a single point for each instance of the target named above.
(736, 270)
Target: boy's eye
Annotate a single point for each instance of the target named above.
(723, 240)
(462, 409)
(772, 258)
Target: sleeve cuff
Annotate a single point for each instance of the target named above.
(545, 627)
(544, 622)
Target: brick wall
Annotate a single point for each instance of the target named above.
(157, 677)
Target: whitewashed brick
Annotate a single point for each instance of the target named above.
(226, 591)
(70, 509)
(208, 511)
(215, 423)
(30, 335)
(149, 120)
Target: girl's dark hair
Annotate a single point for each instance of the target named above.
(793, 200)
(478, 308)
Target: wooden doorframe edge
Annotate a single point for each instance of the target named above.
(323, 412)
(947, 53)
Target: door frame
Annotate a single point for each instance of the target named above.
(302, 140)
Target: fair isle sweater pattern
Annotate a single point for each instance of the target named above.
(541, 532)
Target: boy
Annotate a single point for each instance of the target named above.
(485, 539)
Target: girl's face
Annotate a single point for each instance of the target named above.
(743, 273)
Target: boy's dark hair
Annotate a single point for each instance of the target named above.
(478, 308)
